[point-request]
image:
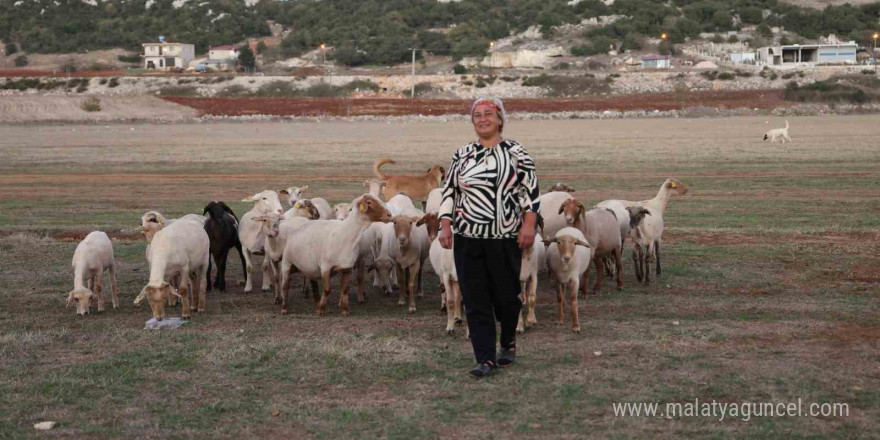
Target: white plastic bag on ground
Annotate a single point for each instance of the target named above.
(167, 323)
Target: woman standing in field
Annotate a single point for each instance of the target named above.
(490, 198)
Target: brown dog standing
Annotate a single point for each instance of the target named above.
(416, 187)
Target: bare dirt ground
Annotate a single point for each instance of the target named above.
(761, 99)
(768, 293)
(18, 109)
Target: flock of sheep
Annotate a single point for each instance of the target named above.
(391, 239)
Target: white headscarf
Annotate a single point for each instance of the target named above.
(496, 102)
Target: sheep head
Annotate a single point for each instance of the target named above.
(437, 172)
(149, 230)
(432, 222)
(374, 186)
(157, 296)
(81, 296)
(270, 223)
(574, 211)
(371, 209)
(293, 193)
(266, 202)
(566, 245)
(636, 215)
(307, 209)
(342, 210)
(675, 185)
(403, 226)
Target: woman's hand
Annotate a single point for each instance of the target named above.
(526, 237)
(445, 236)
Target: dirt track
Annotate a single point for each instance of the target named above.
(762, 99)
(36, 108)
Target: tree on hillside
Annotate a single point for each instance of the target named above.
(246, 58)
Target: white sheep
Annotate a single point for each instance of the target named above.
(601, 230)
(342, 210)
(553, 218)
(533, 259)
(251, 235)
(277, 230)
(568, 258)
(646, 241)
(443, 262)
(93, 255)
(320, 248)
(295, 194)
(374, 187)
(412, 250)
(181, 249)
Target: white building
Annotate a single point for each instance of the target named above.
(742, 57)
(656, 62)
(225, 52)
(165, 56)
(795, 54)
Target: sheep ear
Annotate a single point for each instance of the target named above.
(248, 199)
(583, 243)
(422, 220)
(362, 207)
(140, 229)
(672, 185)
(550, 240)
(69, 299)
(561, 208)
(304, 188)
(283, 192)
(173, 291)
(140, 297)
(581, 207)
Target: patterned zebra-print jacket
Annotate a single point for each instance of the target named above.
(488, 189)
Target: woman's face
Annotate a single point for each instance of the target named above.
(486, 121)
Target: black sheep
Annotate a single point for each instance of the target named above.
(222, 229)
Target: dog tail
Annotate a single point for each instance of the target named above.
(786, 124)
(378, 165)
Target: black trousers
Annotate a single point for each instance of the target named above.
(488, 274)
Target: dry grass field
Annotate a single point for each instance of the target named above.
(769, 291)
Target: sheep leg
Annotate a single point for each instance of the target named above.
(402, 279)
(285, 287)
(313, 284)
(647, 263)
(411, 276)
(202, 285)
(241, 255)
(220, 278)
(266, 276)
(532, 294)
(520, 324)
(420, 292)
(637, 261)
(609, 272)
(575, 323)
(657, 255)
(249, 271)
(114, 290)
(276, 280)
(193, 288)
(618, 264)
(185, 312)
(600, 271)
(560, 301)
(343, 295)
(456, 295)
(361, 282)
(99, 291)
(450, 311)
(325, 292)
(305, 289)
(208, 273)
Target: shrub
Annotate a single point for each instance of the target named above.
(97, 66)
(732, 39)
(234, 90)
(70, 65)
(362, 85)
(102, 81)
(11, 49)
(21, 61)
(468, 83)
(424, 88)
(91, 105)
(596, 65)
(743, 74)
(480, 84)
(508, 78)
(458, 69)
(788, 75)
(132, 58)
(717, 39)
(726, 76)
(568, 85)
(867, 72)
(113, 82)
(178, 91)
(277, 88)
(562, 66)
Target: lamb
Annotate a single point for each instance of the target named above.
(222, 229)
(417, 187)
(250, 232)
(642, 238)
(553, 219)
(532, 260)
(568, 263)
(277, 230)
(320, 248)
(412, 251)
(602, 232)
(181, 249)
(443, 262)
(93, 255)
(652, 225)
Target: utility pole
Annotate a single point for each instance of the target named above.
(874, 52)
(413, 76)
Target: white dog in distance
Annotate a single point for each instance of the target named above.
(778, 133)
